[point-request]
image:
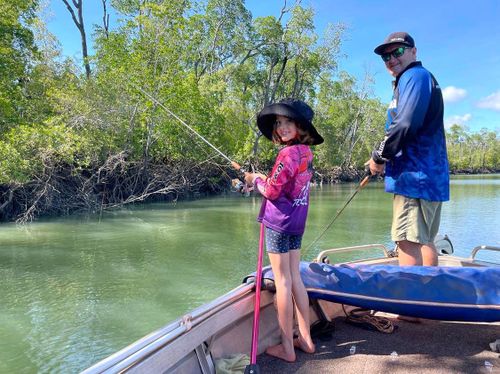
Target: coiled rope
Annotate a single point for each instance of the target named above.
(366, 318)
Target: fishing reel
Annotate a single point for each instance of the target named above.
(238, 184)
(241, 187)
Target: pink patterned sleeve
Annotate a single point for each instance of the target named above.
(282, 172)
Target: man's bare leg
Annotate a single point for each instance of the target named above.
(429, 255)
(411, 253)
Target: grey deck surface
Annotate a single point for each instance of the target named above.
(426, 347)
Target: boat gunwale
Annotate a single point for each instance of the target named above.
(147, 345)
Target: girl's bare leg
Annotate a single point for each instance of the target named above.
(304, 341)
(280, 263)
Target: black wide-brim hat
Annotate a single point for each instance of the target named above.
(296, 110)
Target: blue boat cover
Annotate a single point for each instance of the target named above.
(442, 293)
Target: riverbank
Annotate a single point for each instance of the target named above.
(474, 171)
(63, 190)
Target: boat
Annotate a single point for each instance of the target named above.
(350, 336)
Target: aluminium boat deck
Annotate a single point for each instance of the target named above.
(429, 347)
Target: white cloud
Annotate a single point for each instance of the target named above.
(490, 102)
(453, 94)
(457, 120)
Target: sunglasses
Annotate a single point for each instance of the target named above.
(398, 52)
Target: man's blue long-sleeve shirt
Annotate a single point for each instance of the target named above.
(415, 146)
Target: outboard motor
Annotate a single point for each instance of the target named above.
(443, 244)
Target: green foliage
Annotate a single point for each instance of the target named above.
(349, 121)
(26, 151)
(207, 62)
(472, 151)
(17, 52)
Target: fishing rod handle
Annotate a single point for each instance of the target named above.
(235, 165)
(365, 181)
(238, 168)
(366, 177)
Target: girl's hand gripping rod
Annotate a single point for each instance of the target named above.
(240, 184)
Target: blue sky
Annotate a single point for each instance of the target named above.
(458, 41)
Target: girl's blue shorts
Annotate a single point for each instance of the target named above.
(277, 242)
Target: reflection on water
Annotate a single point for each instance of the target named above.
(77, 289)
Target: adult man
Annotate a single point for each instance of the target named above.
(413, 152)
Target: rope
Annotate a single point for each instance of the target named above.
(367, 319)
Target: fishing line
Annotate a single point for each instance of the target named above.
(362, 184)
(234, 164)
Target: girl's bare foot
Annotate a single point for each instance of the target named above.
(301, 344)
(279, 351)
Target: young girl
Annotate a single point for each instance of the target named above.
(284, 213)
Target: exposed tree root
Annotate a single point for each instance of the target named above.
(62, 189)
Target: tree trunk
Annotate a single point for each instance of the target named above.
(81, 28)
(105, 19)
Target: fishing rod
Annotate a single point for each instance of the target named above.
(362, 184)
(234, 164)
(253, 367)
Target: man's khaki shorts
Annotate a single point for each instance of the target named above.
(415, 220)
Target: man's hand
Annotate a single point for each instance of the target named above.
(375, 169)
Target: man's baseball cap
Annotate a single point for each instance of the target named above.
(399, 37)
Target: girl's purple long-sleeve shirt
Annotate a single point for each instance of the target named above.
(286, 191)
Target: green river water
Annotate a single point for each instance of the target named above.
(74, 290)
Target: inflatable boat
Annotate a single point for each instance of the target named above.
(444, 293)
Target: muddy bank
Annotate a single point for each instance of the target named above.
(63, 190)
(474, 171)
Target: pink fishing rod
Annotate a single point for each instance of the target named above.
(253, 368)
